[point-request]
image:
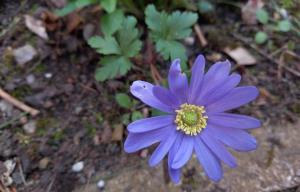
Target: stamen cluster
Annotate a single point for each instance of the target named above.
(191, 119)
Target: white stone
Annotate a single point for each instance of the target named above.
(30, 127)
(24, 54)
(101, 184)
(48, 75)
(78, 167)
(189, 40)
(6, 108)
(30, 79)
(284, 13)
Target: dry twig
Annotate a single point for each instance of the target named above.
(265, 55)
(155, 74)
(200, 35)
(18, 103)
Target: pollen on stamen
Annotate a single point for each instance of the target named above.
(191, 119)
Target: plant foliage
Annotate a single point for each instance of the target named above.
(108, 5)
(167, 29)
(119, 43)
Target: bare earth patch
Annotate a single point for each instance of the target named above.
(275, 165)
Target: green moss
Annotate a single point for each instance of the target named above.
(21, 91)
(296, 108)
(99, 117)
(58, 135)
(43, 124)
(40, 68)
(8, 59)
(91, 130)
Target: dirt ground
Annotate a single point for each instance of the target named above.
(79, 117)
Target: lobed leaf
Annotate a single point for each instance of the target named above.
(127, 36)
(180, 24)
(171, 49)
(167, 29)
(112, 22)
(107, 45)
(111, 67)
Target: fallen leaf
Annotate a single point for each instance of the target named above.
(214, 57)
(36, 26)
(249, 11)
(51, 21)
(73, 22)
(241, 56)
(117, 134)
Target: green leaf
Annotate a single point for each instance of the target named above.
(136, 115)
(106, 45)
(69, 8)
(205, 6)
(284, 26)
(111, 22)
(167, 29)
(154, 19)
(127, 36)
(121, 42)
(83, 3)
(173, 26)
(108, 5)
(72, 6)
(180, 24)
(124, 66)
(261, 37)
(262, 16)
(171, 50)
(123, 100)
(112, 66)
(125, 118)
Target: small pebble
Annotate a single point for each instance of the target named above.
(189, 40)
(78, 167)
(30, 127)
(44, 163)
(23, 120)
(101, 184)
(24, 54)
(144, 153)
(48, 75)
(30, 79)
(48, 104)
(6, 108)
(284, 13)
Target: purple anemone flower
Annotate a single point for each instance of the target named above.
(197, 119)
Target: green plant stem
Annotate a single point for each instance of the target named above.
(7, 123)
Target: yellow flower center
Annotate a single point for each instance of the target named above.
(190, 119)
